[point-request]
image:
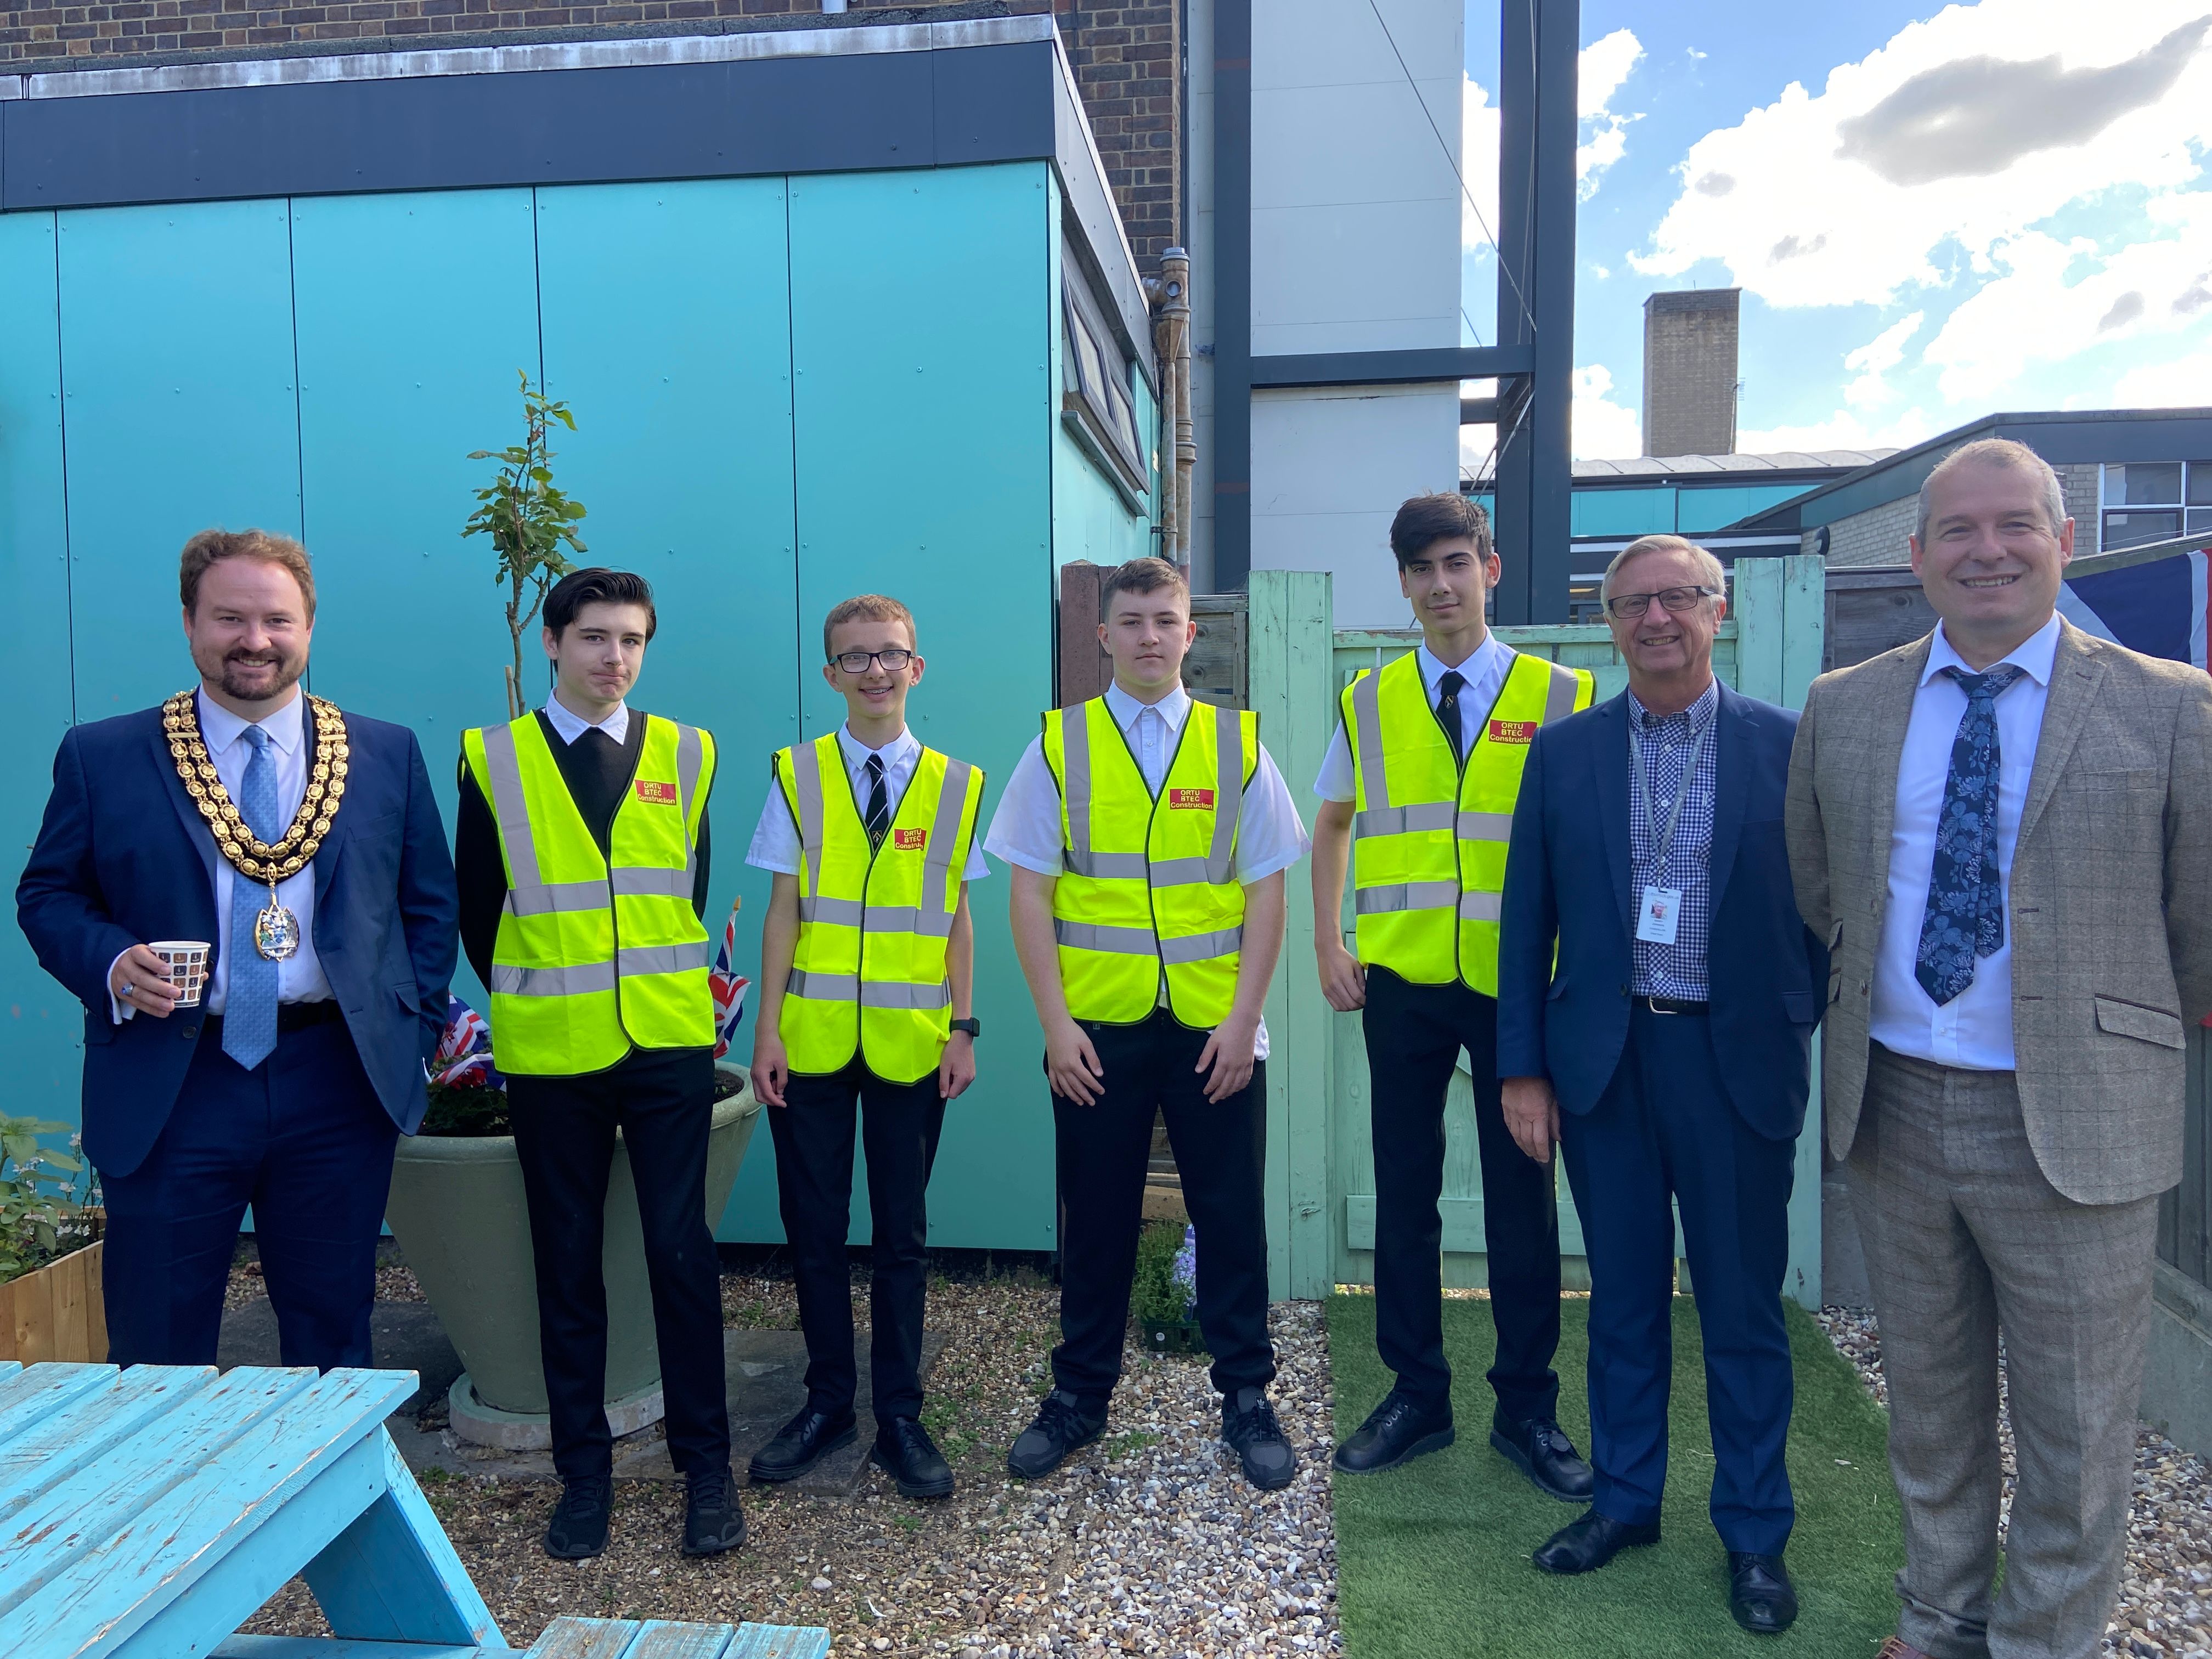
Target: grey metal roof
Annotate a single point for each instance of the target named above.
(1788, 460)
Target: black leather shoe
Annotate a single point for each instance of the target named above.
(1547, 1457)
(713, 1520)
(1761, 1595)
(1586, 1545)
(1060, 1426)
(801, 1445)
(1248, 1428)
(906, 1453)
(1397, 1431)
(578, 1530)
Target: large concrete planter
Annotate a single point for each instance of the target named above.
(458, 1210)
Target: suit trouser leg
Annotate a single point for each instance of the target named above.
(813, 1134)
(1101, 1153)
(1221, 1155)
(1963, 1234)
(900, 1126)
(668, 1109)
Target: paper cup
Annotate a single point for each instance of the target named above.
(187, 960)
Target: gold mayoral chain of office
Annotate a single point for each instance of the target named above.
(275, 929)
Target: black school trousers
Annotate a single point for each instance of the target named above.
(1103, 1152)
(663, 1101)
(1414, 1036)
(899, 1124)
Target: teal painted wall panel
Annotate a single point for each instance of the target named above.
(667, 328)
(393, 395)
(924, 416)
(40, 1044)
(1700, 510)
(177, 372)
(1622, 512)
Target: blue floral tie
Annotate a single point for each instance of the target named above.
(1965, 889)
(249, 1015)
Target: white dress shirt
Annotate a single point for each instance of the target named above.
(1025, 831)
(1484, 670)
(300, 976)
(1973, 1030)
(776, 845)
(572, 725)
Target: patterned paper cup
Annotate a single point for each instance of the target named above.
(187, 959)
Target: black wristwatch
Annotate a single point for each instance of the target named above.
(973, 1027)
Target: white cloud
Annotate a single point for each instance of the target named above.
(2175, 383)
(1875, 359)
(1842, 430)
(1478, 164)
(1600, 70)
(1961, 133)
(1604, 431)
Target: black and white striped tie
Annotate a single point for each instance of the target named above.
(879, 807)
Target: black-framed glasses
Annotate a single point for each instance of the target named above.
(1627, 606)
(857, 662)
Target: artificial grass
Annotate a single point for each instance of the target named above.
(1433, 1558)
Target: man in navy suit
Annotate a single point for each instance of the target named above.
(1647, 849)
(287, 1087)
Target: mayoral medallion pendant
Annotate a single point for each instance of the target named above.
(276, 930)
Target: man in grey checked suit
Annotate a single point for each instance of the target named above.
(2004, 831)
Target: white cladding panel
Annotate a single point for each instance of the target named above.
(1330, 467)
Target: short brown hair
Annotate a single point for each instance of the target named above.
(869, 607)
(1425, 521)
(1144, 575)
(2003, 452)
(213, 546)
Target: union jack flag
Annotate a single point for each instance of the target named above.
(463, 1056)
(729, 987)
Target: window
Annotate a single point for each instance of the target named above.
(2152, 500)
(1094, 399)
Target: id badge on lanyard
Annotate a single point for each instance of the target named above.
(1659, 912)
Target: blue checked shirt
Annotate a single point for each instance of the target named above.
(1658, 744)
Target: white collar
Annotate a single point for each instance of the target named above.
(2038, 655)
(572, 725)
(219, 728)
(856, 752)
(1434, 668)
(1173, 708)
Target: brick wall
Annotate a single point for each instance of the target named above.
(1877, 535)
(1125, 57)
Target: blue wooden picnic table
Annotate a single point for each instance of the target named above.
(148, 1513)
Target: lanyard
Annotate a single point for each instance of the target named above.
(1662, 850)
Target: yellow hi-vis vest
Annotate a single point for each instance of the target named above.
(1431, 836)
(595, 955)
(1148, 886)
(868, 976)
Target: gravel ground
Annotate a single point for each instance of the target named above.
(2165, 1590)
(1148, 1542)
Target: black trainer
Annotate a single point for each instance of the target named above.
(904, 1451)
(1059, 1428)
(578, 1530)
(1249, 1429)
(1536, 1446)
(713, 1519)
(801, 1443)
(1397, 1431)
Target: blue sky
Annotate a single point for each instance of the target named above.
(1933, 211)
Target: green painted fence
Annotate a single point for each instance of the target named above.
(1320, 1169)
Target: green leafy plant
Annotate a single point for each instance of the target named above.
(465, 1109)
(1157, 1294)
(530, 523)
(40, 1215)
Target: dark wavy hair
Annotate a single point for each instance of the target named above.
(597, 586)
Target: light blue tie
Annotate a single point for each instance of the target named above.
(249, 1020)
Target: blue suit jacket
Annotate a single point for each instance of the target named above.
(1567, 880)
(124, 857)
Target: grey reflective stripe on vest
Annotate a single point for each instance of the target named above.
(636, 881)
(1107, 866)
(1406, 896)
(824, 988)
(1367, 721)
(558, 898)
(1093, 936)
(1075, 783)
(1485, 826)
(509, 807)
(1482, 907)
(1201, 947)
(552, 982)
(807, 783)
(1398, 820)
(935, 918)
(908, 919)
(877, 993)
(1559, 696)
(691, 757)
(663, 958)
(1228, 796)
(838, 913)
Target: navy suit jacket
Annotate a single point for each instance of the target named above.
(1567, 881)
(124, 857)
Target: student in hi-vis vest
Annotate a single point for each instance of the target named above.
(1418, 788)
(868, 959)
(582, 852)
(1149, 835)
